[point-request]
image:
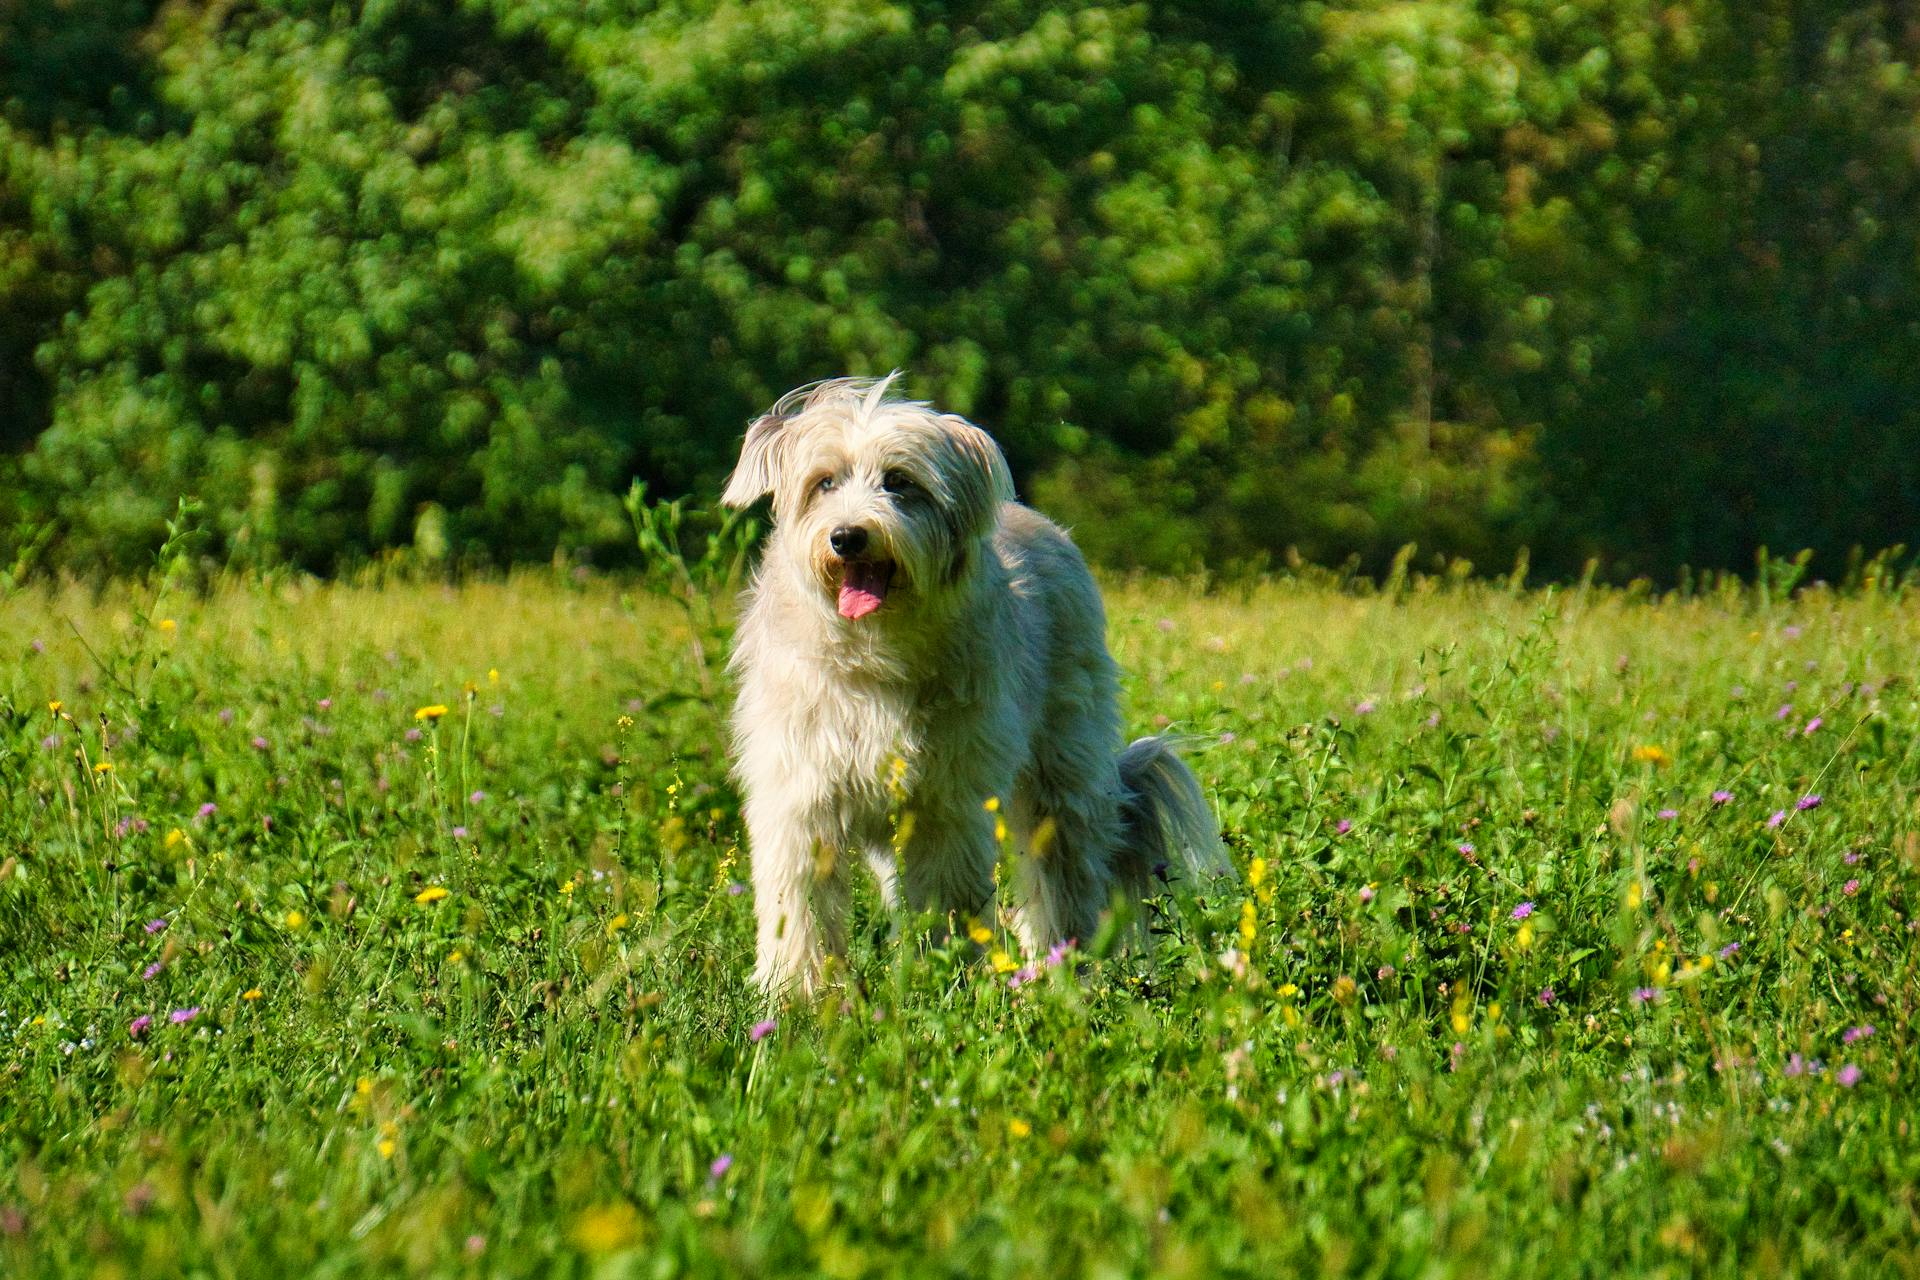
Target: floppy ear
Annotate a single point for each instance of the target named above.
(981, 481)
(759, 466)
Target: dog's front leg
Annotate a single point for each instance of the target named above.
(947, 864)
(799, 900)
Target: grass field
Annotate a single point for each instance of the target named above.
(1576, 937)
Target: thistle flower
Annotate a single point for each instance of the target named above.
(761, 1030)
(1848, 1076)
(718, 1169)
(1721, 798)
(1779, 816)
(184, 1015)
(1854, 1034)
(156, 925)
(1522, 911)
(1807, 802)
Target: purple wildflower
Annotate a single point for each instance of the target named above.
(1522, 911)
(152, 971)
(1779, 816)
(1384, 972)
(718, 1169)
(735, 888)
(1364, 707)
(1546, 996)
(184, 1015)
(1850, 888)
(1813, 727)
(38, 646)
(1726, 952)
(1854, 1034)
(478, 797)
(226, 715)
(325, 704)
(138, 1027)
(1807, 802)
(208, 809)
(1848, 1076)
(412, 735)
(761, 1030)
(459, 833)
(1786, 709)
(1852, 856)
(1057, 953)
(1341, 827)
(1791, 631)
(1721, 797)
(259, 743)
(1667, 815)
(1021, 977)
(157, 924)
(1366, 894)
(1466, 848)
(52, 742)
(1796, 1066)
(1645, 995)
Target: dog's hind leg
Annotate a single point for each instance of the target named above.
(1061, 877)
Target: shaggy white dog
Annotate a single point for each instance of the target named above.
(919, 657)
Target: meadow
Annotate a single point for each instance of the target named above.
(400, 927)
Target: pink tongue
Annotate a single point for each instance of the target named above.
(862, 590)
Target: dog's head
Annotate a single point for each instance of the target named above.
(879, 501)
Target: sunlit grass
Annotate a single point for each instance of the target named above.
(406, 931)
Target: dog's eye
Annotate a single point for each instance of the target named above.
(900, 484)
(823, 484)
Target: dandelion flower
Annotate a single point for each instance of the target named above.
(432, 712)
(431, 894)
(1649, 753)
(1018, 1128)
(980, 934)
(295, 919)
(168, 625)
(251, 993)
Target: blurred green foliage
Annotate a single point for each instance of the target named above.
(1614, 278)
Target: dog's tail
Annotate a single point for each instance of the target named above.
(1171, 836)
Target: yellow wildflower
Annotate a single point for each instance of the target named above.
(1018, 1128)
(167, 625)
(616, 924)
(105, 766)
(175, 838)
(493, 675)
(993, 804)
(1002, 962)
(1648, 753)
(432, 893)
(433, 712)
(295, 919)
(1288, 991)
(1247, 922)
(566, 890)
(980, 933)
(55, 706)
(251, 993)
(1524, 938)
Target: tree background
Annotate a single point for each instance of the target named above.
(1604, 279)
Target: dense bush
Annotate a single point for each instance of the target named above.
(1613, 278)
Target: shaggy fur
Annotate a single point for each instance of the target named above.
(919, 656)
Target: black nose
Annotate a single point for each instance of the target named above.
(848, 540)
